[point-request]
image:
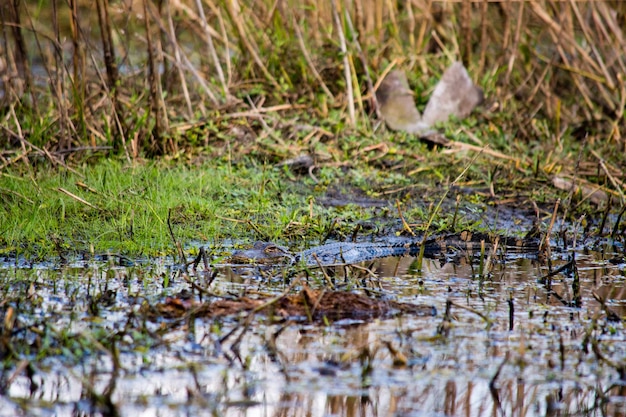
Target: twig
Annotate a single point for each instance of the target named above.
(77, 198)
(616, 183)
(546, 239)
(176, 242)
(405, 225)
(211, 47)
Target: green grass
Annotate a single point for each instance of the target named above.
(126, 208)
(214, 196)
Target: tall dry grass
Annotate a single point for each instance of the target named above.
(125, 75)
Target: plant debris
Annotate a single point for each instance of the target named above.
(312, 305)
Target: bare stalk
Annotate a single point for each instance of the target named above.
(346, 66)
(157, 104)
(111, 68)
(309, 61)
(235, 15)
(355, 42)
(211, 49)
(177, 60)
(78, 66)
(21, 54)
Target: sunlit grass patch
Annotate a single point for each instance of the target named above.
(112, 206)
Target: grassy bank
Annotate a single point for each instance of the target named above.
(198, 102)
(114, 207)
(150, 207)
(146, 208)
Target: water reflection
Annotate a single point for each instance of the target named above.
(557, 360)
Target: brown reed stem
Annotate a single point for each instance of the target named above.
(545, 243)
(108, 51)
(107, 45)
(211, 49)
(466, 32)
(178, 61)
(234, 10)
(346, 66)
(20, 52)
(78, 80)
(157, 104)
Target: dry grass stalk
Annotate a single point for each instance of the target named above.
(178, 61)
(211, 49)
(110, 64)
(484, 39)
(364, 63)
(181, 61)
(466, 35)
(516, 41)
(309, 61)
(157, 104)
(19, 61)
(560, 60)
(619, 186)
(179, 64)
(234, 11)
(346, 65)
(77, 198)
(78, 81)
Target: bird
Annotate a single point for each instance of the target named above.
(454, 95)
(397, 105)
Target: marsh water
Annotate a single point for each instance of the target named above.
(516, 341)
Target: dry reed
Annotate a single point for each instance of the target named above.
(563, 62)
